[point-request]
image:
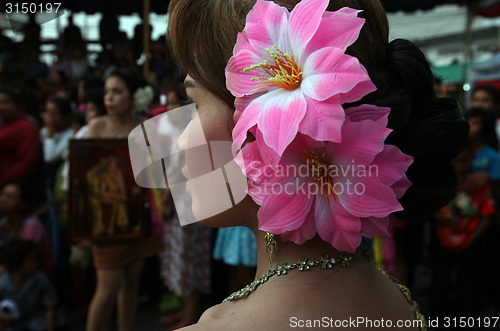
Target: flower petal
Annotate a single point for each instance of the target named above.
(359, 90)
(304, 233)
(350, 11)
(269, 155)
(266, 25)
(367, 197)
(242, 43)
(338, 30)
(285, 211)
(368, 112)
(329, 71)
(391, 164)
(247, 119)
(304, 22)
(401, 186)
(280, 117)
(323, 120)
(338, 227)
(241, 83)
(361, 141)
(372, 227)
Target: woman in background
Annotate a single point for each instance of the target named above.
(118, 266)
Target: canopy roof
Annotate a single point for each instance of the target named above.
(122, 7)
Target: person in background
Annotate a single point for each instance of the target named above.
(90, 82)
(119, 266)
(488, 97)
(79, 64)
(486, 164)
(55, 134)
(19, 140)
(72, 35)
(94, 107)
(169, 99)
(109, 28)
(16, 206)
(485, 169)
(28, 292)
(460, 227)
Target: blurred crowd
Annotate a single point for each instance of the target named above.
(44, 274)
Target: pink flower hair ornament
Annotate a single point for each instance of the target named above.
(339, 190)
(289, 73)
(314, 168)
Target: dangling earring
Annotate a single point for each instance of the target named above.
(271, 247)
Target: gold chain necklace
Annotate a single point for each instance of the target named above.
(325, 262)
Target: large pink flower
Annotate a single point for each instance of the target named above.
(342, 191)
(289, 73)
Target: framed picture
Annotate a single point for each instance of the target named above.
(105, 203)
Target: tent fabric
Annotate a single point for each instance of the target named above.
(119, 7)
(160, 6)
(488, 70)
(450, 74)
(413, 5)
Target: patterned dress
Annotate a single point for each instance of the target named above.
(186, 259)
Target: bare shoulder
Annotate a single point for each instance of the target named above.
(315, 300)
(220, 318)
(98, 126)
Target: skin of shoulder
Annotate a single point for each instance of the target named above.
(364, 293)
(98, 127)
(95, 125)
(221, 317)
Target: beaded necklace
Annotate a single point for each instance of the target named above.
(305, 264)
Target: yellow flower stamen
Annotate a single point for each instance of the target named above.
(284, 73)
(321, 168)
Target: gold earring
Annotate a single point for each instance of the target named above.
(271, 247)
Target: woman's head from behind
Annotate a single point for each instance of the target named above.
(430, 131)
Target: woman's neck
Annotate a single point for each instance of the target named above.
(288, 252)
(122, 119)
(122, 124)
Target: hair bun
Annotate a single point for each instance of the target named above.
(433, 131)
(433, 140)
(408, 66)
(437, 132)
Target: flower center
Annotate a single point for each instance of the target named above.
(321, 168)
(285, 73)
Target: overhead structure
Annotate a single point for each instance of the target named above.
(121, 7)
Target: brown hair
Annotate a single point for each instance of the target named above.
(212, 26)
